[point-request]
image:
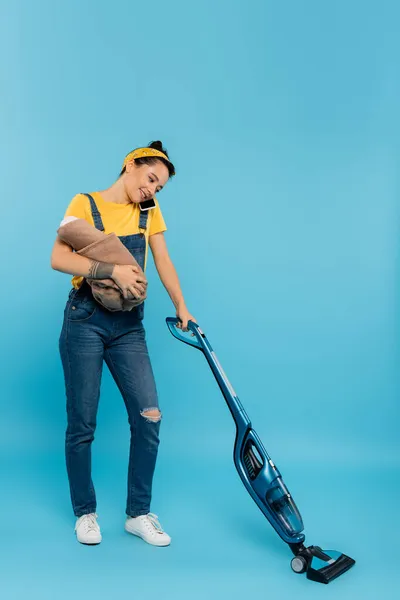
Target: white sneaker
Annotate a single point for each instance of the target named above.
(87, 529)
(148, 528)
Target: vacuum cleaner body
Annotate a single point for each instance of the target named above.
(261, 476)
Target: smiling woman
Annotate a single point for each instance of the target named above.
(91, 334)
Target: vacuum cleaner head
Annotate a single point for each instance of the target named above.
(320, 565)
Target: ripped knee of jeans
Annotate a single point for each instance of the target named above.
(152, 415)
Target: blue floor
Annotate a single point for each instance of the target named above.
(222, 546)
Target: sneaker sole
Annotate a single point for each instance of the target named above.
(90, 543)
(133, 532)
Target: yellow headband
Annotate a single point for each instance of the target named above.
(142, 153)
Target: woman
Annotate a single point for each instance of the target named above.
(91, 334)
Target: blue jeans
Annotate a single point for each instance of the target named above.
(91, 334)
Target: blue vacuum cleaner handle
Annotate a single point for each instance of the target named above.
(181, 336)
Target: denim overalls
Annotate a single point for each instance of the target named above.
(91, 334)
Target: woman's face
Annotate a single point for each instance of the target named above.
(142, 182)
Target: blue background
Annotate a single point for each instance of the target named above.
(282, 120)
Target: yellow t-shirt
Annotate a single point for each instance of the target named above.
(121, 219)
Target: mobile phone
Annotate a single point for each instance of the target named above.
(147, 205)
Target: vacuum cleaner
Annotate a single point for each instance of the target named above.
(261, 476)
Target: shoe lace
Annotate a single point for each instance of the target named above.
(90, 522)
(152, 521)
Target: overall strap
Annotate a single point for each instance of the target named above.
(98, 223)
(143, 221)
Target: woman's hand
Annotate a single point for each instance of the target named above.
(130, 280)
(184, 316)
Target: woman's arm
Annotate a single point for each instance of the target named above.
(166, 269)
(128, 277)
(169, 277)
(64, 259)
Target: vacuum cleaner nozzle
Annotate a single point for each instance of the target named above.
(320, 565)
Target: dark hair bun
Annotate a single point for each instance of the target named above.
(157, 145)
